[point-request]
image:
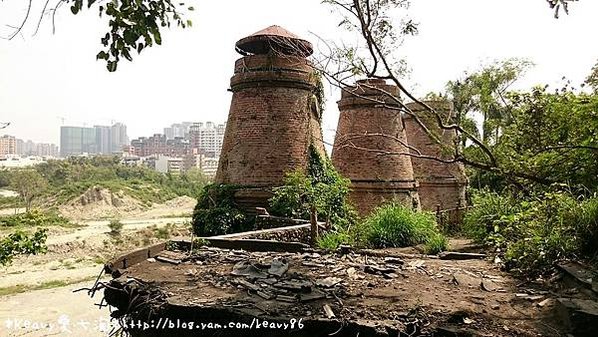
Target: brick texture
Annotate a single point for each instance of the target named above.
(273, 119)
(369, 147)
(442, 186)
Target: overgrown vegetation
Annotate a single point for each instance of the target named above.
(535, 232)
(322, 188)
(20, 243)
(35, 218)
(539, 205)
(64, 180)
(216, 212)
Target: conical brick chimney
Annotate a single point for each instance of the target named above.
(273, 116)
(370, 147)
(442, 185)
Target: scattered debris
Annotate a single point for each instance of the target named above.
(580, 316)
(529, 297)
(460, 256)
(328, 311)
(328, 282)
(168, 260)
(583, 275)
(278, 267)
(246, 268)
(464, 280)
(349, 287)
(489, 285)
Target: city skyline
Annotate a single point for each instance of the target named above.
(107, 139)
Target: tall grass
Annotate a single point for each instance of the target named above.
(394, 225)
(391, 225)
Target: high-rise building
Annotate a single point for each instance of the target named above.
(147, 146)
(207, 138)
(76, 140)
(103, 139)
(100, 139)
(29, 148)
(20, 147)
(119, 137)
(179, 130)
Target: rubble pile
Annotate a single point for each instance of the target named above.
(362, 291)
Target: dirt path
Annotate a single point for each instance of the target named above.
(47, 312)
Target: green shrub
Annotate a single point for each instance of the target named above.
(588, 227)
(492, 212)
(536, 232)
(321, 187)
(35, 218)
(332, 240)
(436, 243)
(393, 225)
(20, 243)
(115, 226)
(216, 212)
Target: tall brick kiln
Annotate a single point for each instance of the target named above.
(366, 130)
(441, 186)
(273, 115)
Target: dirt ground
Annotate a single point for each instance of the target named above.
(469, 294)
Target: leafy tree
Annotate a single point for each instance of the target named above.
(374, 56)
(484, 92)
(558, 4)
(29, 184)
(554, 136)
(592, 79)
(133, 25)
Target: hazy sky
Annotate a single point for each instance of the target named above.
(49, 77)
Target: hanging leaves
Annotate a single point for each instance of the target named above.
(133, 25)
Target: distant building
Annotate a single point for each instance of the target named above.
(76, 141)
(180, 130)
(20, 147)
(165, 164)
(207, 138)
(148, 146)
(103, 139)
(100, 139)
(119, 137)
(8, 145)
(209, 166)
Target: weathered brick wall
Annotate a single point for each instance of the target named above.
(442, 186)
(271, 122)
(369, 147)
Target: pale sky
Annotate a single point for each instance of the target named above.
(49, 77)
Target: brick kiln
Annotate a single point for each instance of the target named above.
(366, 131)
(441, 186)
(273, 115)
